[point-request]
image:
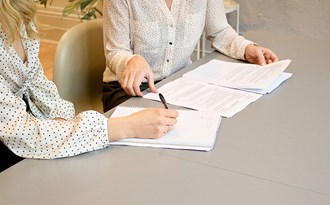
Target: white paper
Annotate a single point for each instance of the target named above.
(194, 130)
(283, 77)
(238, 75)
(205, 97)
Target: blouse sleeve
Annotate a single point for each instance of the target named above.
(30, 137)
(224, 38)
(47, 98)
(116, 34)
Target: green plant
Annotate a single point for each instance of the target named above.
(86, 9)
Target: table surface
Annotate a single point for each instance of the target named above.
(275, 151)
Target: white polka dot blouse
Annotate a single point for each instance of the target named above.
(165, 37)
(29, 103)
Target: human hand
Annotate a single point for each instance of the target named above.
(148, 123)
(137, 69)
(259, 55)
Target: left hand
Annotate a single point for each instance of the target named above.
(259, 55)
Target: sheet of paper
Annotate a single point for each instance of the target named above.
(205, 97)
(194, 130)
(238, 75)
(283, 77)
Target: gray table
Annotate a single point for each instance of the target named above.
(276, 151)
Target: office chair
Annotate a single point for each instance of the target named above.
(79, 64)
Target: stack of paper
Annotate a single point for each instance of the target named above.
(249, 77)
(223, 87)
(195, 130)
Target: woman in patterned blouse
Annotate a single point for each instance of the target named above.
(146, 41)
(34, 121)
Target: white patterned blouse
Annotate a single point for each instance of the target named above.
(29, 103)
(165, 38)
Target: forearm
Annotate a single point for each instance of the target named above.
(48, 139)
(116, 62)
(118, 128)
(223, 37)
(117, 42)
(230, 44)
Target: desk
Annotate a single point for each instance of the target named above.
(276, 151)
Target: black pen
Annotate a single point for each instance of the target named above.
(163, 100)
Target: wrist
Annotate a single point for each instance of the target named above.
(120, 128)
(117, 129)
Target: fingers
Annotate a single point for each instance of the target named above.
(271, 56)
(170, 121)
(151, 85)
(167, 120)
(131, 84)
(137, 69)
(171, 113)
(136, 85)
(155, 121)
(260, 56)
(168, 129)
(167, 117)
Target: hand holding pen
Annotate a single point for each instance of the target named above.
(162, 99)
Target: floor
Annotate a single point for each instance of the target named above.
(46, 55)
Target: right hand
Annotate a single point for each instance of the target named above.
(137, 68)
(259, 55)
(149, 123)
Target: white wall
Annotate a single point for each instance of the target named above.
(309, 18)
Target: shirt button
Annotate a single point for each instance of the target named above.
(167, 60)
(171, 25)
(170, 43)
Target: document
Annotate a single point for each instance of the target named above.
(283, 77)
(244, 76)
(223, 87)
(195, 130)
(205, 97)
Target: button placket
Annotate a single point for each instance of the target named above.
(170, 45)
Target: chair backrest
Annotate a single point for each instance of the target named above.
(79, 64)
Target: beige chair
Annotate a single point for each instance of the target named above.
(79, 65)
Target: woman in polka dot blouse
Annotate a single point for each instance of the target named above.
(34, 121)
(146, 41)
